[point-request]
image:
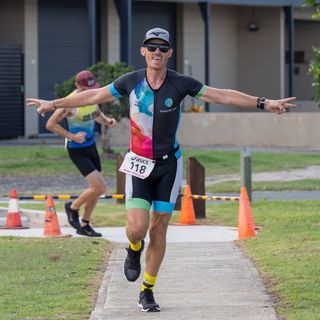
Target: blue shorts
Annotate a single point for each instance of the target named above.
(160, 190)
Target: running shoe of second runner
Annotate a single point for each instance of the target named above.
(88, 231)
(132, 265)
(146, 301)
(73, 216)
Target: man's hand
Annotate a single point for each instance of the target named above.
(279, 106)
(43, 106)
(79, 137)
(112, 122)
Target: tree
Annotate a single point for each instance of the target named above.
(105, 74)
(314, 67)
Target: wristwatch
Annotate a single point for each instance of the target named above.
(261, 102)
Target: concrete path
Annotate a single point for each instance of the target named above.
(311, 172)
(204, 276)
(176, 234)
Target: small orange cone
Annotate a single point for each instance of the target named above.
(187, 215)
(13, 220)
(245, 219)
(51, 224)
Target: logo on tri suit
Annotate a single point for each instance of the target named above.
(168, 102)
(90, 116)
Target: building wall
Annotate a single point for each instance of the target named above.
(224, 47)
(193, 41)
(259, 53)
(251, 129)
(224, 50)
(237, 57)
(223, 44)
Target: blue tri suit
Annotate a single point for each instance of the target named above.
(84, 155)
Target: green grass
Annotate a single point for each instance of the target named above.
(42, 161)
(287, 250)
(295, 185)
(218, 162)
(50, 278)
(47, 161)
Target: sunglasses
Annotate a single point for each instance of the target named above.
(152, 47)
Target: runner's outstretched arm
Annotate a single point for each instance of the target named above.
(84, 98)
(239, 99)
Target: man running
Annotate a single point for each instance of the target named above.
(153, 165)
(82, 150)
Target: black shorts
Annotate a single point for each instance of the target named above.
(86, 159)
(160, 189)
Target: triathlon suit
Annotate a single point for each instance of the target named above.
(154, 120)
(84, 155)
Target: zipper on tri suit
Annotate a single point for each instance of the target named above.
(153, 120)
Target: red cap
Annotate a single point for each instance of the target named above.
(87, 80)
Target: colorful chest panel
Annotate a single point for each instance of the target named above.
(155, 114)
(83, 120)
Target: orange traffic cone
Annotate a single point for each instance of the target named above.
(187, 215)
(13, 220)
(245, 193)
(245, 219)
(51, 224)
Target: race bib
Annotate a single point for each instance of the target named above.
(137, 166)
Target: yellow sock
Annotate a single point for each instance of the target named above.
(148, 282)
(135, 247)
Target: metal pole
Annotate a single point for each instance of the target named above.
(205, 11)
(245, 170)
(92, 6)
(124, 8)
(290, 24)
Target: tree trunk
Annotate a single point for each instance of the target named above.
(105, 141)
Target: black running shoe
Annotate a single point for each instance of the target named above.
(146, 301)
(73, 216)
(132, 266)
(88, 231)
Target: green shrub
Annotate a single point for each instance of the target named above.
(314, 67)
